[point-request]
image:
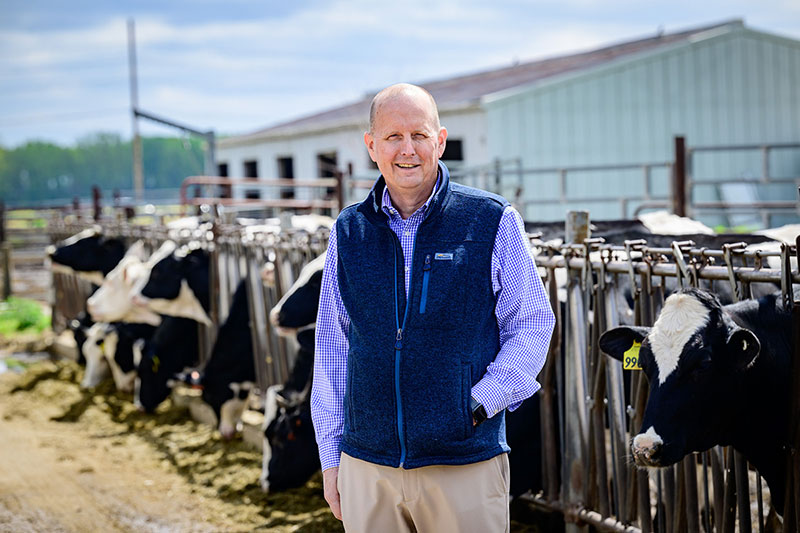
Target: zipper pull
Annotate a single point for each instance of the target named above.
(427, 265)
(398, 342)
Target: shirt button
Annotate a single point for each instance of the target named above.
(407, 233)
(407, 269)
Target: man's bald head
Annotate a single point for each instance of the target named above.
(401, 90)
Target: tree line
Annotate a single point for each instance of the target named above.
(41, 171)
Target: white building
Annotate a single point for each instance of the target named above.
(620, 104)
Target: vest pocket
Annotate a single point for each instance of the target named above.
(426, 275)
(466, 395)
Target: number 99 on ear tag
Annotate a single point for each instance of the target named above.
(630, 359)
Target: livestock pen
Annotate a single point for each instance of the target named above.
(588, 418)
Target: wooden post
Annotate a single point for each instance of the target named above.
(679, 177)
(96, 207)
(339, 175)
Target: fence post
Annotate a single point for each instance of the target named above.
(339, 175)
(6, 250)
(679, 177)
(96, 208)
(576, 422)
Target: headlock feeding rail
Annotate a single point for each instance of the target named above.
(590, 408)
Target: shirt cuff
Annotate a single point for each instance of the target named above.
(491, 396)
(329, 453)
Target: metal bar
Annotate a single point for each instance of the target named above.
(679, 177)
(731, 147)
(580, 514)
(690, 479)
(548, 392)
(742, 492)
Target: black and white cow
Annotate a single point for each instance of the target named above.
(89, 254)
(178, 287)
(718, 376)
(290, 449)
(230, 373)
(178, 283)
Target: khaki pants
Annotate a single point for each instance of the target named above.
(435, 499)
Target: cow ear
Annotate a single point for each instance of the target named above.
(615, 342)
(742, 348)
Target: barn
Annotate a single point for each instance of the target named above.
(592, 130)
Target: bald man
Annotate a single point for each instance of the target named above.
(432, 322)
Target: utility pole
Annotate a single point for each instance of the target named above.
(138, 173)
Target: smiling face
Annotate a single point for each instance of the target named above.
(405, 140)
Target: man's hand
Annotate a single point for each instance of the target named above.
(329, 479)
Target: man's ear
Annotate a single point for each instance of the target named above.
(369, 142)
(442, 138)
(742, 348)
(615, 342)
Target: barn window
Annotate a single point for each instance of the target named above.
(453, 150)
(286, 171)
(251, 171)
(224, 190)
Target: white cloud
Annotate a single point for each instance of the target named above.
(240, 75)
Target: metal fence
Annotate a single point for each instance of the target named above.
(587, 419)
(587, 422)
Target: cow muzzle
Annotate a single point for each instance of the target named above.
(647, 447)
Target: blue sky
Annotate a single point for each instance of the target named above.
(237, 66)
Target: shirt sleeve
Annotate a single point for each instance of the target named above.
(330, 362)
(524, 317)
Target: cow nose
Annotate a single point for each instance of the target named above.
(647, 448)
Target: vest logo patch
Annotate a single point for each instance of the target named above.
(443, 257)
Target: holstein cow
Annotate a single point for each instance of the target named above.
(177, 286)
(290, 449)
(718, 376)
(230, 373)
(91, 256)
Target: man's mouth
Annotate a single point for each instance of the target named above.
(406, 165)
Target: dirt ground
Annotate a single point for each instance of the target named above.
(78, 461)
(72, 461)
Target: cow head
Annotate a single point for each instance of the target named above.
(298, 307)
(113, 301)
(168, 291)
(154, 374)
(229, 401)
(93, 349)
(293, 454)
(695, 358)
(89, 254)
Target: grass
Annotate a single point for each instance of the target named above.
(18, 315)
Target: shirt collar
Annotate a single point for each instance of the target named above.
(387, 206)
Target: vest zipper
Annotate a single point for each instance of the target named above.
(426, 274)
(398, 342)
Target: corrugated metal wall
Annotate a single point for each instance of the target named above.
(737, 87)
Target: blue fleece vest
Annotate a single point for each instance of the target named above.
(412, 364)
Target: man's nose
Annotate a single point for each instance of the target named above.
(407, 147)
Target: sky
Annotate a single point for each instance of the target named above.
(238, 66)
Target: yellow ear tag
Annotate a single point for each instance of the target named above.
(630, 359)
